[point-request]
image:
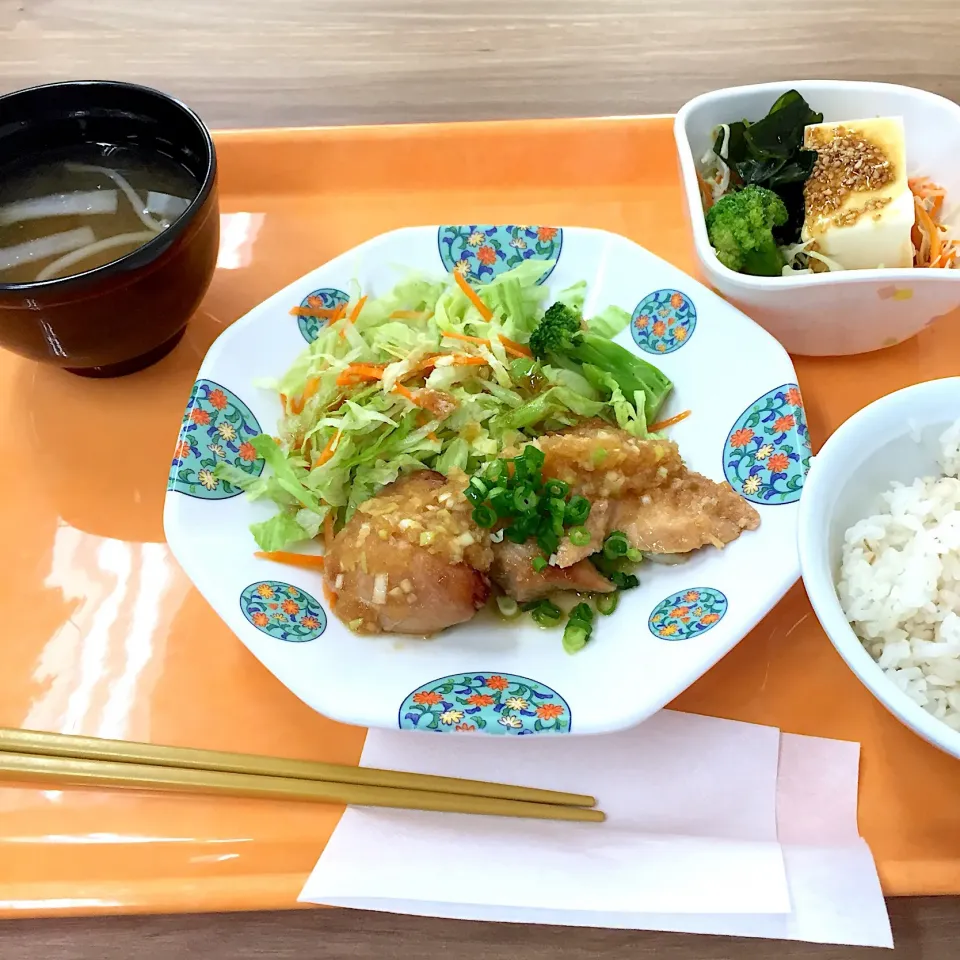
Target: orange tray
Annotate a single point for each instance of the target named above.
(104, 635)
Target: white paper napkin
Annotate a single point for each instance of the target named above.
(691, 841)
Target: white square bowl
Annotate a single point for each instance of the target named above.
(737, 380)
(855, 311)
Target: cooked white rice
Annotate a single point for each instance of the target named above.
(900, 585)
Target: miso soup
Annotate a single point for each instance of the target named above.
(62, 215)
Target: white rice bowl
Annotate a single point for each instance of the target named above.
(899, 585)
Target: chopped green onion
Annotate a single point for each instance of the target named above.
(495, 470)
(623, 581)
(577, 510)
(479, 485)
(575, 636)
(582, 611)
(534, 456)
(544, 613)
(484, 516)
(556, 510)
(539, 564)
(515, 534)
(634, 555)
(616, 545)
(507, 606)
(556, 488)
(473, 494)
(525, 500)
(548, 541)
(607, 603)
(579, 536)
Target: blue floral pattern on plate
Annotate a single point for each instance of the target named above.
(499, 703)
(480, 252)
(767, 452)
(687, 613)
(663, 321)
(326, 298)
(283, 611)
(217, 428)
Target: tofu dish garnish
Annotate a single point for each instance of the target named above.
(454, 447)
(790, 194)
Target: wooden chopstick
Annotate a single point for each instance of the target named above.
(66, 746)
(62, 771)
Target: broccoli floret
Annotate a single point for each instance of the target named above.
(560, 340)
(740, 227)
(558, 332)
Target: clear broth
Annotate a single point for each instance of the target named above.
(57, 220)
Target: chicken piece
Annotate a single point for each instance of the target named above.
(410, 560)
(599, 460)
(686, 514)
(597, 525)
(513, 570)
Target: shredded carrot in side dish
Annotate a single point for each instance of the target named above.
(453, 335)
(511, 346)
(932, 249)
(432, 436)
(355, 312)
(465, 360)
(405, 393)
(291, 559)
(328, 451)
(471, 295)
(669, 422)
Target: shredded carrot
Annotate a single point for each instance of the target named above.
(465, 360)
(706, 194)
(411, 315)
(330, 596)
(471, 295)
(360, 371)
(319, 312)
(292, 559)
(355, 312)
(298, 403)
(432, 436)
(426, 362)
(328, 451)
(669, 422)
(929, 230)
(465, 338)
(511, 346)
(405, 393)
(328, 531)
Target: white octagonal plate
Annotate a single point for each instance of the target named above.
(747, 425)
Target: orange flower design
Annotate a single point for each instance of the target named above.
(676, 301)
(549, 711)
(464, 727)
(691, 596)
(668, 630)
(480, 700)
(659, 328)
(217, 399)
(259, 619)
(427, 697)
(546, 234)
(487, 255)
(247, 452)
(265, 591)
(199, 417)
(182, 450)
(741, 437)
(793, 397)
(778, 463)
(273, 606)
(709, 618)
(680, 333)
(290, 606)
(311, 623)
(496, 682)
(642, 322)
(661, 348)
(679, 613)
(784, 423)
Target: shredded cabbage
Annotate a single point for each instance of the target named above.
(424, 377)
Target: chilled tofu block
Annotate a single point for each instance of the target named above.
(857, 204)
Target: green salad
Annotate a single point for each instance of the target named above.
(437, 375)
